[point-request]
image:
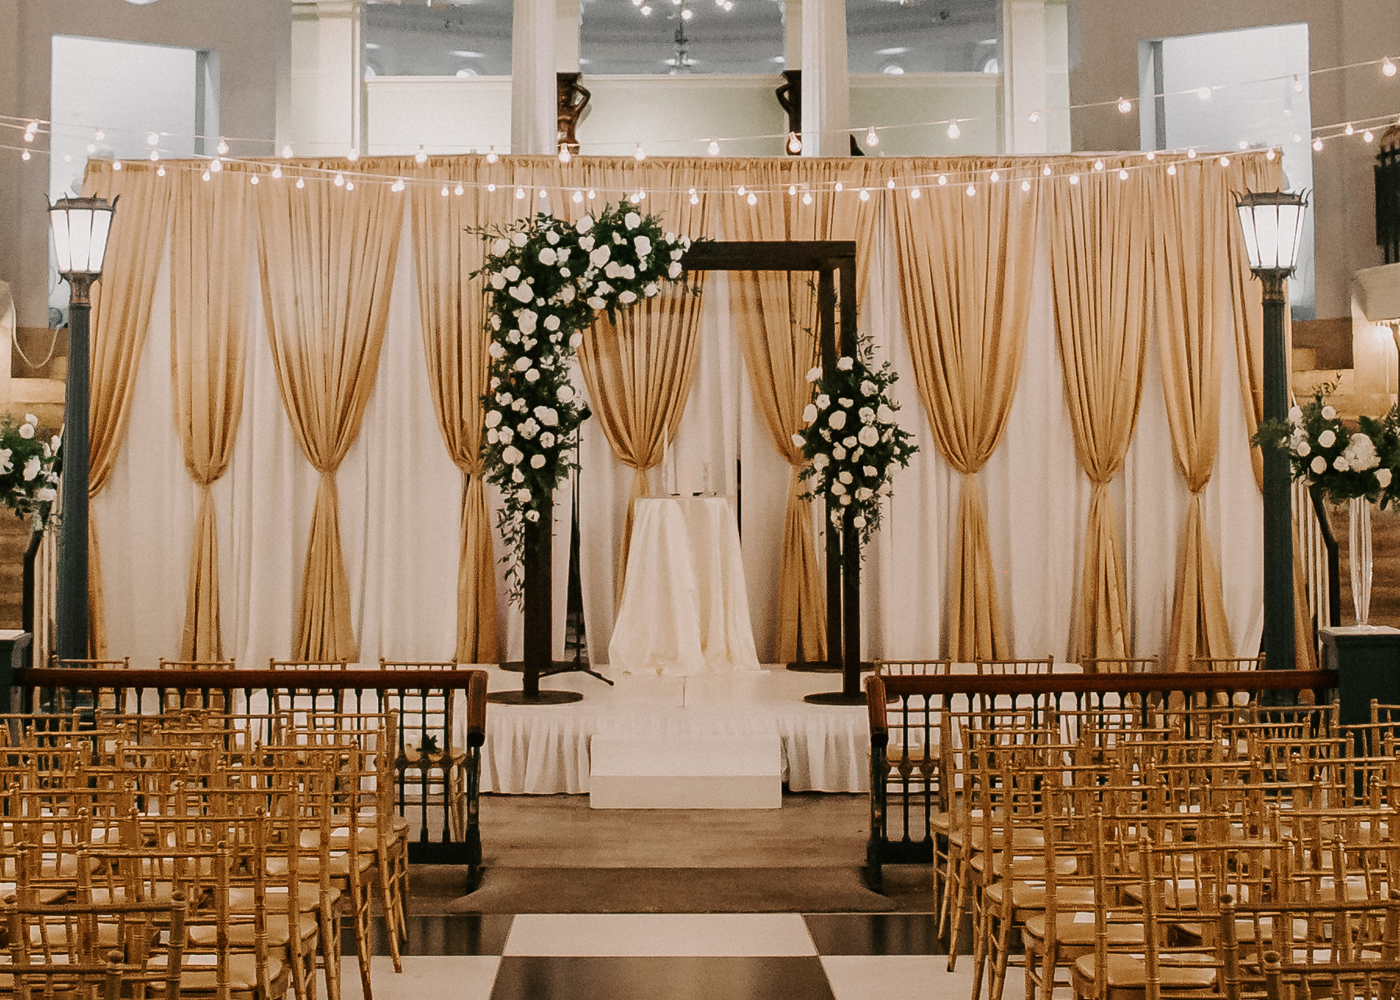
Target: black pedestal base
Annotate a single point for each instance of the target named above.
(835, 698)
(813, 667)
(543, 698)
(555, 667)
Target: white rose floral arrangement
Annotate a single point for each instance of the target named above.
(1345, 464)
(546, 281)
(852, 439)
(30, 462)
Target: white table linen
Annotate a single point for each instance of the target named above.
(685, 606)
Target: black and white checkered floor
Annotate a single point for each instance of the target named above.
(732, 956)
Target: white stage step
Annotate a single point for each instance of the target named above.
(686, 772)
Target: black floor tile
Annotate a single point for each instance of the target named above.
(875, 933)
(521, 978)
(440, 934)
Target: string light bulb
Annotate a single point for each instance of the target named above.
(1224, 161)
(694, 198)
(1025, 185)
(806, 197)
(742, 191)
(397, 186)
(971, 190)
(1122, 174)
(459, 190)
(116, 164)
(872, 138)
(864, 194)
(713, 147)
(222, 147)
(444, 192)
(545, 194)
(1151, 155)
(276, 172)
(1368, 135)
(24, 155)
(205, 176)
(253, 180)
(1297, 84)
(339, 179)
(578, 198)
(953, 130)
(840, 186)
(287, 151)
(1317, 144)
(1045, 170)
(792, 190)
(160, 170)
(915, 194)
(1270, 155)
(592, 195)
(352, 154)
(98, 135)
(153, 139)
(890, 183)
(1125, 105)
(1387, 67)
(1171, 169)
(519, 192)
(1098, 164)
(301, 183)
(491, 156)
(491, 187)
(794, 143)
(640, 154)
(564, 155)
(996, 176)
(753, 198)
(155, 156)
(31, 128)
(942, 180)
(1191, 153)
(1074, 178)
(1349, 129)
(1203, 93)
(421, 157)
(215, 165)
(1034, 117)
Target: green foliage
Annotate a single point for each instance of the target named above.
(30, 463)
(1324, 452)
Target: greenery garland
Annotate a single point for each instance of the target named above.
(853, 441)
(1324, 452)
(546, 281)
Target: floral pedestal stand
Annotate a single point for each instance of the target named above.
(1360, 557)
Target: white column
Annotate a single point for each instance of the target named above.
(327, 78)
(534, 101)
(1023, 68)
(566, 25)
(825, 96)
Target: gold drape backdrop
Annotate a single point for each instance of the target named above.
(455, 340)
(965, 268)
(1099, 245)
(121, 314)
(1190, 275)
(327, 259)
(209, 273)
(776, 318)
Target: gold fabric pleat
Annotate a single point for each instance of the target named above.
(775, 315)
(326, 258)
(1190, 270)
(1099, 243)
(209, 272)
(965, 267)
(121, 314)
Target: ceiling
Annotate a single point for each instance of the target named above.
(472, 37)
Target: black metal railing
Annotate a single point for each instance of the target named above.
(441, 726)
(1388, 202)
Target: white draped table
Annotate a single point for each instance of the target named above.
(685, 607)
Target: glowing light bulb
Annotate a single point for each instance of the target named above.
(872, 138)
(397, 186)
(578, 198)
(942, 180)
(519, 193)
(1151, 155)
(421, 156)
(1074, 178)
(806, 197)
(160, 171)
(1297, 84)
(1191, 153)
(1224, 161)
(953, 130)
(1125, 105)
(92, 147)
(543, 194)
(276, 173)
(890, 183)
(996, 176)
(592, 195)
(792, 190)
(1171, 170)
(1045, 170)
(1098, 164)
(1317, 144)
(1203, 93)
(253, 180)
(1368, 135)
(459, 190)
(155, 155)
(840, 186)
(864, 194)
(222, 147)
(287, 151)
(24, 156)
(742, 191)
(640, 154)
(687, 14)
(352, 155)
(153, 139)
(349, 186)
(564, 155)
(646, 10)
(491, 188)
(971, 190)
(339, 180)
(753, 198)
(713, 147)
(1122, 175)
(215, 165)
(99, 135)
(444, 192)
(1034, 117)
(915, 193)
(301, 183)
(1243, 144)
(31, 128)
(694, 198)
(1349, 130)
(794, 143)
(1387, 67)
(1270, 155)
(1025, 185)
(206, 175)
(491, 156)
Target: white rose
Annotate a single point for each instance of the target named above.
(512, 455)
(810, 413)
(546, 440)
(652, 290)
(533, 375)
(584, 225)
(1304, 449)
(5, 465)
(500, 247)
(814, 373)
(531, 515)
(631, 220)
(526, 321)
(845, 501)
(513, 337)
(837, 419)
(566, 294)
(46, 494)
(1319, 465)
(1328, 413)
(674, 271)
(522, 293)
(519, 239)
(523, 364)
(516, 476)
(1295, 414)
(31, 467)
(493, 418)
(884, 414)
(1327, 439)
(855, 455)
(845, 364)
(1383, 477)
(529, 428)
(504, 398)
(537, 461)
(563, 253)
(586, 244)
(512, 273)
(523, 496)
(1360, 453)
(55, 442)
(600, 256)
(819, 462)
(1341, 464)
(498, 281)
(869, 436)
(837, 489)
(547, 415)
(627, 298)
(551, 322)
(866, 414)
(643, 245)
(870, 471)
(574, 340)
(496, 350)
(859, 520)
(798, 441)
(495, 322)
(837, 452)
(864, 493)
(518, 406)
(867, 387)
(594, 302)
(679, 253)
(613, 270)
(603, 288)
(492, 437)
(551, 237)
(822, 401)
(548, 256)
(845, 477)
(845, 403)
(849, 441)
(566, 394)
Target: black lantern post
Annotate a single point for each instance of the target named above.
(80, 229)
(1272, 224)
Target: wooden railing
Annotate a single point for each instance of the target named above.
(906, 712)
(441, 713)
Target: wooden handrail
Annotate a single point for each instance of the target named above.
(875, 694)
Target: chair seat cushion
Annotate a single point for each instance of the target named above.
(1072, 933)
(1127, 972)
(1031, 895)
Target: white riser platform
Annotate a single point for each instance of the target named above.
(686, 772)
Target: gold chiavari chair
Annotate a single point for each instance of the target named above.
(1120, 664)
(193, 699)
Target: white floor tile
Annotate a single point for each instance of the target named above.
(670, 934)
(907, 977)
(461, 977)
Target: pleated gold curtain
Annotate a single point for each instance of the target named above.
(121, 315)
(965, 266)
(776, 320)
(639, 369)
(327, 259)
(1191, 269)
(209, 273)
(1260, 174)
(1100, 239)
(455, 341)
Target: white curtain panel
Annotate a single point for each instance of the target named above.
(400, 496)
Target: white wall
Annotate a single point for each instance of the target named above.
(251, 37)
(446, 114)
(911, 100)
(1104, 39)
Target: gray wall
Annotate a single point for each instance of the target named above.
(1104, 37)
(253, 41)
